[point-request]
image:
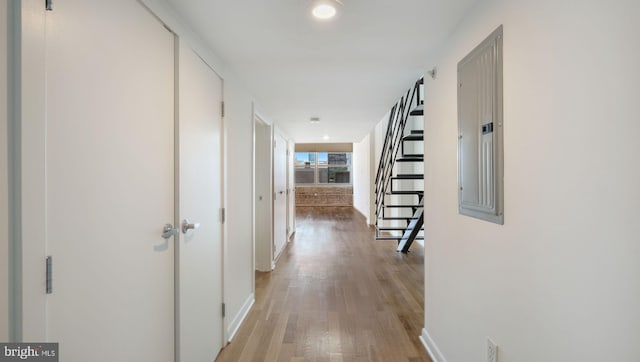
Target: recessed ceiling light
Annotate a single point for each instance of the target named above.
(325, 9)
(325, 137)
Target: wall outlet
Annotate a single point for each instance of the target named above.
(492, 351)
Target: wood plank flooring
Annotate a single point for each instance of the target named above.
(336, 294)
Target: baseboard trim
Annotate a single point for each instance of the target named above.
(431, 347)
(237, 321)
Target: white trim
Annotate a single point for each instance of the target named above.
(14, 212)
(253, 198)
(235, 325)
(430, 346)
(224, 195)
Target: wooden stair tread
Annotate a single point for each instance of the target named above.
(407, 176)
(398, 206)
(396, 218)
(417, 192)
(396, 238)
(410, 159)
(413, 137)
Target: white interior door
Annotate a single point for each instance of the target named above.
(200, 329)
(280, 196)
(263, 181)
(291, 193)
(110, 182)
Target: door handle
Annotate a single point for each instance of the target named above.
(168, 231)
(281, 192)
(186, 226)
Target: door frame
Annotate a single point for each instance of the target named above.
(27, 184)
(12, 17)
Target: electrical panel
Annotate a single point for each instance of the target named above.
(480, 131)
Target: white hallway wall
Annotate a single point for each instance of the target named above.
(378, 135)
(560, 281)
(361, 171)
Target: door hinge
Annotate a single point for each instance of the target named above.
(222, 109)
(49, 275)
(223, 215)
(224, 310)
(48, 5)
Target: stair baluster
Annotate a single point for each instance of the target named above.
(394, 153)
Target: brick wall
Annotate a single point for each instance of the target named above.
(324, 196)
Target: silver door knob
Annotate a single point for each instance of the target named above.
(186, 226)
(168, 231)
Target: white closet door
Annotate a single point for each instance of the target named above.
(280, 200)
(200, 249)
(110, 181)
(291, 184)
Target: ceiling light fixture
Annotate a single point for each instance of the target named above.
(325, 9)
(314, 119)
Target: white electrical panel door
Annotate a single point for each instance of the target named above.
(480, 126)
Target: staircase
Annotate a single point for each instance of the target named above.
(400, 178)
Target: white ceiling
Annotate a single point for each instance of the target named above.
(348, 71)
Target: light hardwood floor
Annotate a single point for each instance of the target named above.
(336, 294)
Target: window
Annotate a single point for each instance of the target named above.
(305, 165)
(323, 168)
